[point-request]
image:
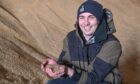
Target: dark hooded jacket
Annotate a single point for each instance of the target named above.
(94, 62)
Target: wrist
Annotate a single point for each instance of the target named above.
(69, 71)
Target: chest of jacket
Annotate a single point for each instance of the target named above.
(82, 55)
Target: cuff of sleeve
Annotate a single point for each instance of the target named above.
(76, 76)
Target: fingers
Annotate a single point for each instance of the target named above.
(61, 71)
(42, 67)
(49, 70)
(58, 74)
(44, 63)
(55, 74)
(47, 61)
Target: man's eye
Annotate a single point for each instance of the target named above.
(92, 17)
(81, 17)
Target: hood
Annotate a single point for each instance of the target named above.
(100, 33)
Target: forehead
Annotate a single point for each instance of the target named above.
(86, 14)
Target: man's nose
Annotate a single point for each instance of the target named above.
(86, 22)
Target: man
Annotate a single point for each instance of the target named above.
(90, 55)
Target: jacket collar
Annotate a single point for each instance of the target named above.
(101, 32)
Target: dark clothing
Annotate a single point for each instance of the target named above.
(94, 62)
(67, 81)
(61, 81)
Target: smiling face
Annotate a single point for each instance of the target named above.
(87, 23)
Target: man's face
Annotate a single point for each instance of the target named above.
(87, 23)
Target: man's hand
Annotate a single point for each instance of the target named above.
(52, 69)
(55, 73)
(47, 62)
(70, 72)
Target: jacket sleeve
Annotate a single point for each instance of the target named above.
(104, 62)
(64, 57)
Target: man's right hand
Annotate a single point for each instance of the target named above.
(49, 70)
(46, 62)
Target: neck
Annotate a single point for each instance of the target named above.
(87, 37)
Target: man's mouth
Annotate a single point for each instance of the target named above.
(87, 29)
